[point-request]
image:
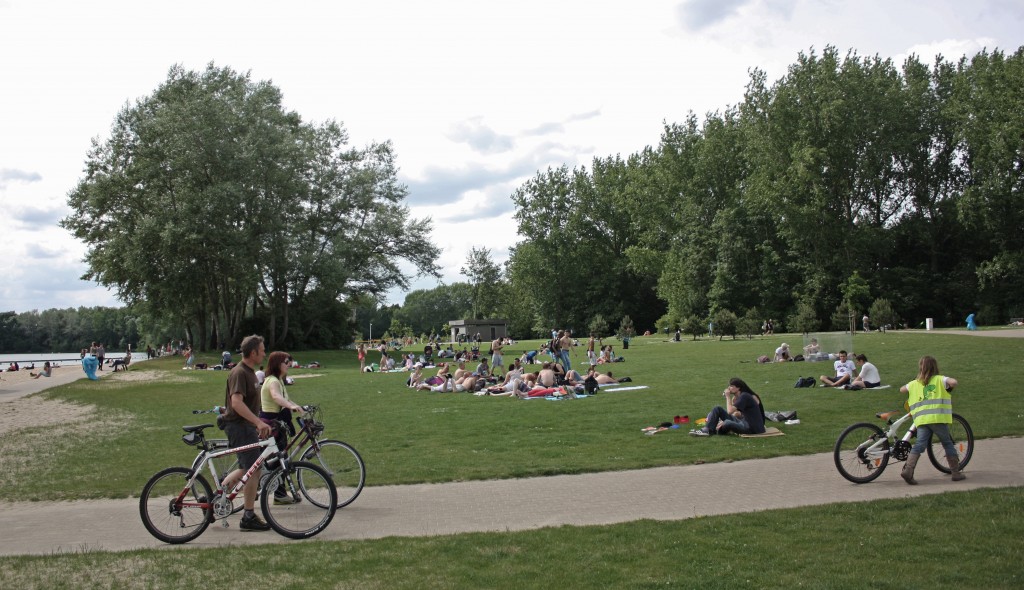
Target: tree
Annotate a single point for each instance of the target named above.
(882, 314)
(626, 329)
(598, 326)
(725, 323)
(485, 279)
(805, 319)
(211, 203)
(694, 325)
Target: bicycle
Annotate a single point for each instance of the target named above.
(341, 460)
(177, 504)
(863, 450)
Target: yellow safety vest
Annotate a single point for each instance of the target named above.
(931, 403)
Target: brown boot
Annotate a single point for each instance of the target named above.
(954, 466)
(908, 468)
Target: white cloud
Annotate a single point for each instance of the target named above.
(475, 97)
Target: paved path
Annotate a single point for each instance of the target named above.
(667, 493)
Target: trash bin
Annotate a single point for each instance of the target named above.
(929, 324)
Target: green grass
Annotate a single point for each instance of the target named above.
(411, 437)
(953, 540)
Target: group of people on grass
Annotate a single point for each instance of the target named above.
(488, 378)
(928, 397)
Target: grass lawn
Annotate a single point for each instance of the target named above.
(410, 436)
(953, 540)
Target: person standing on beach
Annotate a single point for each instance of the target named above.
(101, 353)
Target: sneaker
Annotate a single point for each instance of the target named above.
(700, 432)
(253, 523)
(284, 499)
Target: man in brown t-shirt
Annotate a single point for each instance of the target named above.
(244, 427)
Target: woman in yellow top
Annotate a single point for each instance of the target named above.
(275, 405)
(932, 409)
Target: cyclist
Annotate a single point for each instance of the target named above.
(275, 405)
(932, 408)
(243, 426)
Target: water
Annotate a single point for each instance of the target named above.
(63, 358)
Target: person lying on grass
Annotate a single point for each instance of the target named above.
(742, 414)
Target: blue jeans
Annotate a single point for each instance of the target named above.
(729, 422)
(566, 363)
(924, 438)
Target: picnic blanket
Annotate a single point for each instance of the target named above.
(770, 431)
(630, 388)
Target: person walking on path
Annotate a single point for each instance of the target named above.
(243, 426)
(932, 408)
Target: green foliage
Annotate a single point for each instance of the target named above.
(856, 292)
(210, 200)
(626, 329)
(750, 324)
(726, 323)
(486, 282)
(598, 326)
(805, 319)
(694, 325)
(841, 318)
(882, 314)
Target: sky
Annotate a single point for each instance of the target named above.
(476, 97)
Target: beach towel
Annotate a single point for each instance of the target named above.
(630, 388)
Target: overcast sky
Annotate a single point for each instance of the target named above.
(476, 96)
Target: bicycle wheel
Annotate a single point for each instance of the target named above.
(861, 452)
(343, 463)
(170, 516)
(963, 439)
(300, 518)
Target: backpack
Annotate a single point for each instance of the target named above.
(590, 385)
(805, 382)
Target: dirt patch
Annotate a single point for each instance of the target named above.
(33, 412)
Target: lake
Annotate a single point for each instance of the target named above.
(64, 358)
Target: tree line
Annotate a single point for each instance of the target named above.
(851, 185)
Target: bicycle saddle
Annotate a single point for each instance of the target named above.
(889, 414)
(198, 428)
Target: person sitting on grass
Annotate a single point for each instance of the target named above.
(868, 376)
(844, 372)
(782, 353)
(417, 376)
(44, 373)
(743, 412)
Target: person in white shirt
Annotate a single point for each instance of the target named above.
(782, 353)
(868, 376)
(844, 372)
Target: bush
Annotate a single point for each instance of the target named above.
(805, 319)
(750, 323)
(725, 323)
(598, 326)
(882, 314)
(693, 325)
(841, 318)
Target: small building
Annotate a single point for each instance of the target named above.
(488, 329)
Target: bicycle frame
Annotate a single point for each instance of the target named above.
(269, 446)
(874, 453)
(304, 435)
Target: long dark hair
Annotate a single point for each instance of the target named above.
(741, 385)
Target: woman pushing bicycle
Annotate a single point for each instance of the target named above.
(276, 405)
(932, 408)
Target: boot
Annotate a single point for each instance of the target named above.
(908, 468)
(954, 466)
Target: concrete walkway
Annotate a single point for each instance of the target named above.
(668, 493)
